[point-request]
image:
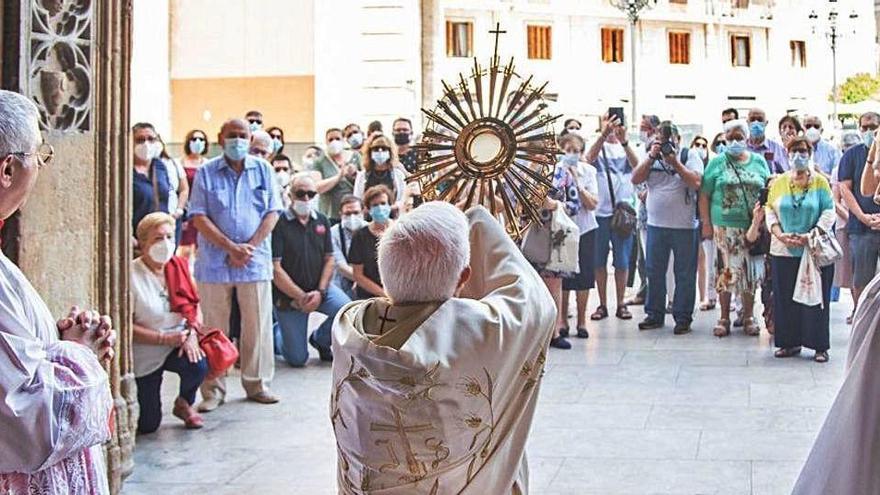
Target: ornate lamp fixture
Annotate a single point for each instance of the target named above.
(489, 141)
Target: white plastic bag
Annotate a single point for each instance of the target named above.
(564, 242)
(808, 287)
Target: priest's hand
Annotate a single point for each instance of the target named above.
(89, 329)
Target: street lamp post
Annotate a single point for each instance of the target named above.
(633, 10)
(833, 34)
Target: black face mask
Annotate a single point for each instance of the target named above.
(401, 138)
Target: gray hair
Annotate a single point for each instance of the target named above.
(850, 139)
(300, 177)
(737, 124)
(422, 256)
(263, 138)
(19, 124)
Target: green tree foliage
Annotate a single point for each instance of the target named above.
(857, 88)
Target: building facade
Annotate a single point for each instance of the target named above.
(311, 64)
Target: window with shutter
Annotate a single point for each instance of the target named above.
(679, 47)
(459, 39)
(612, 45)
(740, 50)
(798, 53)
(540, 42)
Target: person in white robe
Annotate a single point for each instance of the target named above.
(434, 388)
(55, 401)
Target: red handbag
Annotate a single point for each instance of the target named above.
(219, 351)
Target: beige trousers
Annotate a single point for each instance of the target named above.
(255, 347)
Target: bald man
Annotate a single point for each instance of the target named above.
(235, 205)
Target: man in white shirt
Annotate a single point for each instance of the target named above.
(672, 227)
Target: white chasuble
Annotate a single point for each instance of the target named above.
(438, 398)
(845, 459)
(55, 400)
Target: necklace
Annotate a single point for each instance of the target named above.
(798, 199)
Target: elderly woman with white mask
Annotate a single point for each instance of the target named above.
(457, 347)
(731, 189)
(55, 400)
(163, 338)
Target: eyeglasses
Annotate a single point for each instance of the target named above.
(302, 194)
(380, 148)
(45, 153)
(145, 139)
(197, 138)
(812, 126)
(255, 121)
(276, 136)
(700, 144)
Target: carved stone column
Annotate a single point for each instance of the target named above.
(75, 230)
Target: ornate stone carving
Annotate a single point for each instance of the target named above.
(59, 74)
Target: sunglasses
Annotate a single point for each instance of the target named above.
(812, 126)
(380, 148)
(149, 139)
(255, 121)
(302, 194)
(276, 136)
(197, 138)
(699, 144)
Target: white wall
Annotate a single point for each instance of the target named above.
(150, 85)
(242, 38)
(367, 63)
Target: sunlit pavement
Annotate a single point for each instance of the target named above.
(625, 412)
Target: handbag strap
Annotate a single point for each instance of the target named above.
(608, 174)
(742, 187)
(155, 179)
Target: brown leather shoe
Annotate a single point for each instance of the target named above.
(264, 397)
(188, 414)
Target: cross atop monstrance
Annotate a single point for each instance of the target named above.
(497, 32)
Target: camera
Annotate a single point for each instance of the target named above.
(667, 133)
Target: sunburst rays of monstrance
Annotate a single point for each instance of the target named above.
(489, 144)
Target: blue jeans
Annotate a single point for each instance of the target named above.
(294, 325)
(683, 243)
(149, 388)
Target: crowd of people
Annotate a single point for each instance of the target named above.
(704, 225)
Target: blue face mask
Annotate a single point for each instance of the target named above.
(236, 149)
(757, 129)
(276, 145)
(721, 149)
(799, 161)
(254, 126)
(735, 148)
(196, 146)
(570, 159)
(868, 138)
(381, 213)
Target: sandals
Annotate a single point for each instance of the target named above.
(623, 313)
(600, 314)
(821, 357)
(787, 352)
(750, 328)
(722, 328)
(707, 306)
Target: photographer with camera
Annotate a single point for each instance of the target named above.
(673, 178)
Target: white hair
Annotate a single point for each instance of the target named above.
(422, 256)
(262, 137)
(301, 177)
(740, 124)
(19, 124)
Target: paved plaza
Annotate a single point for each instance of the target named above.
(623, 413)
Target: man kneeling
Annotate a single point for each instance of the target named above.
(434, 388)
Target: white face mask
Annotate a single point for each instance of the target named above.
(702, 152)
(283, 178)
(335, 147)
(162, 251)
(813, 135)
(302, 208)
(353, 222)
(146, 151)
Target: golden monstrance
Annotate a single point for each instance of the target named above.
(489, 141)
